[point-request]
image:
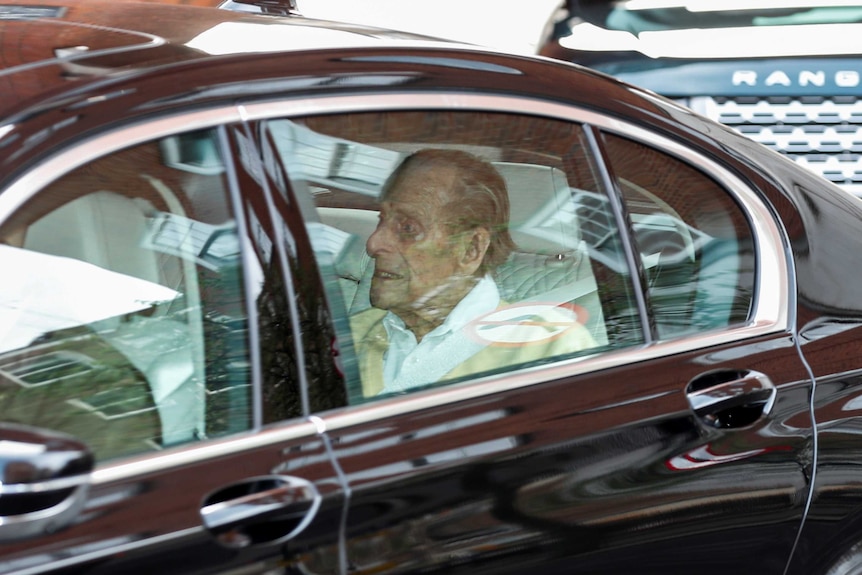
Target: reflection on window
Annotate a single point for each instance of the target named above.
(332, 161)
(694, 242)
(208, 245)
(124, 323)
(436, 281)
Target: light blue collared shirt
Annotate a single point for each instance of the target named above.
(407, 363)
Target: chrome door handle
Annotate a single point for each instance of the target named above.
(44, 481)
(729, 399)
(266, 509)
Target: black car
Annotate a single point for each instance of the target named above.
(199, 209)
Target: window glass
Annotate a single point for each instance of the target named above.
(457, 244)
(124, 322)
(693, 239)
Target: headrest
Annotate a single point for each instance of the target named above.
(543, 218)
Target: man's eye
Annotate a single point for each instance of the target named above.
(408, 228)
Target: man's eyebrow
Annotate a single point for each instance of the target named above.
(409, 209)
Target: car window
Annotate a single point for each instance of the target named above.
(124, 323)
(520, 267)
(694, 242)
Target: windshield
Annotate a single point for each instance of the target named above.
(638, 16)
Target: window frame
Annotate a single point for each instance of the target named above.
(612, 182)
(771, 301)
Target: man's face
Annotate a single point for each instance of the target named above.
(418, 266)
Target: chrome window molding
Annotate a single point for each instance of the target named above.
(207, 450)
(772, 300)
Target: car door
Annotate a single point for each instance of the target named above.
(678, 439)
(146, 332)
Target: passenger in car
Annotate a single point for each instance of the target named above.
(437, 313)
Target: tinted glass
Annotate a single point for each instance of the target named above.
(455, 245)
(693, 240)
(123, 319)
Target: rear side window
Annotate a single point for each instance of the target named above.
(457, 244)
(693, 241)
(124, 323)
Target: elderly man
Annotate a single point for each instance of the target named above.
(443, 229)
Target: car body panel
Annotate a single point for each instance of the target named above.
(477, 481)
(138, 518)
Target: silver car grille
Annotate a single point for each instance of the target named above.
(823, 134)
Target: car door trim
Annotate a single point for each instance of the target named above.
(211, 449)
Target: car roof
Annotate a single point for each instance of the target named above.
(49, 46)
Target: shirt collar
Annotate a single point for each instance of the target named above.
(483, 298)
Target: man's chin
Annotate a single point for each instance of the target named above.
(388, 302)
(379, 300)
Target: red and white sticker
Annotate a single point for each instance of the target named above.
(526, 323)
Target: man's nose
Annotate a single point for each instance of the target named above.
(376, 241)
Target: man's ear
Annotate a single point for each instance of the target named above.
(476, 243)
